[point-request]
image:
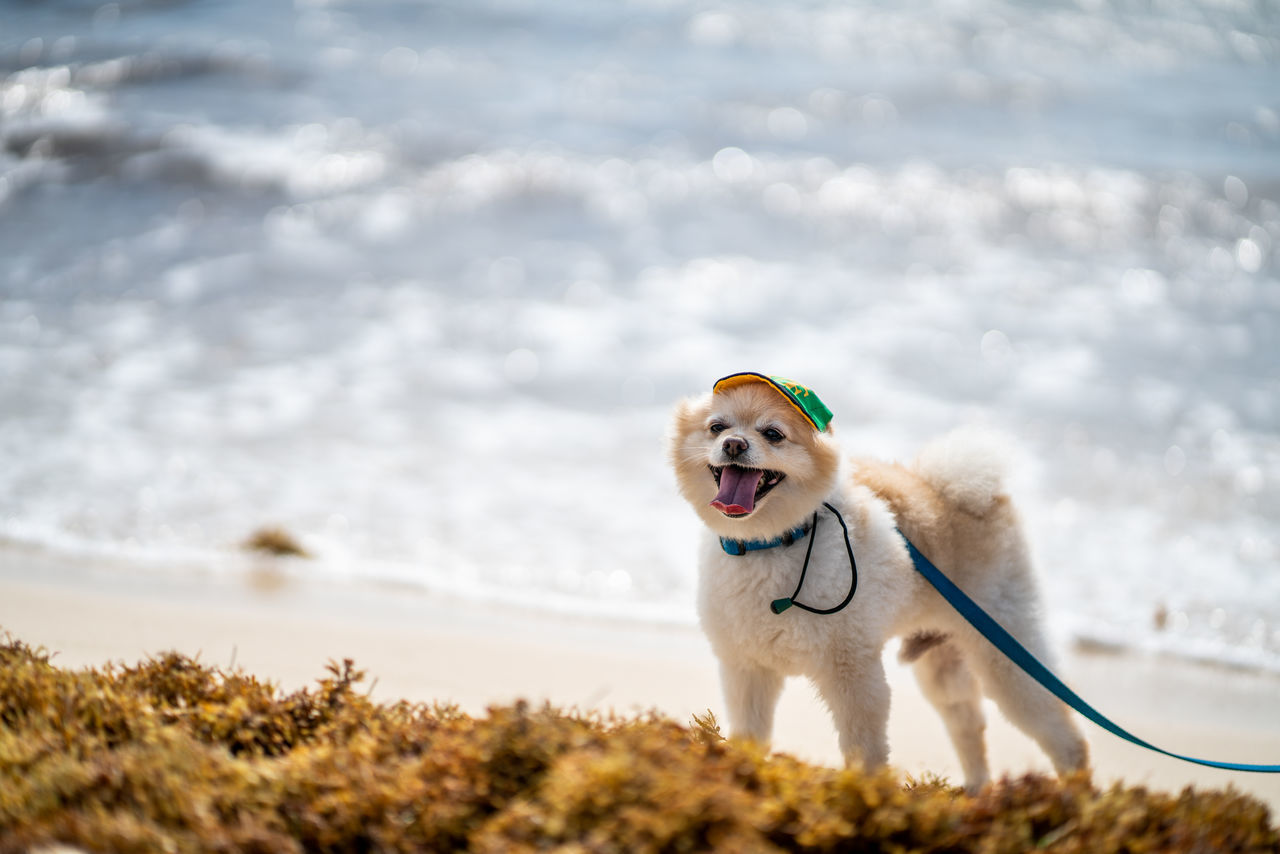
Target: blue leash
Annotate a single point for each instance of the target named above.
(1018, 654)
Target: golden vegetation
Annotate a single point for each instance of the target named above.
(275, 541)
(171, 755)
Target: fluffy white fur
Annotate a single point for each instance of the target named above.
(951, 502)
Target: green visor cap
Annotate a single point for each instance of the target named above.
(804, 400)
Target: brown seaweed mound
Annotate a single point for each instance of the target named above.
(171, 755)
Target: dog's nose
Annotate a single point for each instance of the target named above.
(734, 446)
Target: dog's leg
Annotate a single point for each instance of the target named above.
(857, 693)
(1027, 705)
(751, 694)
(949, 684)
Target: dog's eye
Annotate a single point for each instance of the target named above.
(772, 434)
(717, 427)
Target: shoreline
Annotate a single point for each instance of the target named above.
(427, 648)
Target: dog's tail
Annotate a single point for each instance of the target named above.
(968, 466)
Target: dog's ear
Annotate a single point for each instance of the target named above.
(690, 416)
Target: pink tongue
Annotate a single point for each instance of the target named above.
(737, 494)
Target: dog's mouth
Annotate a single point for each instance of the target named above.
(741, 488)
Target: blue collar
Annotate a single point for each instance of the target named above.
(738, 548)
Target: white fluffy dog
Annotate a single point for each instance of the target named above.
(757, 462)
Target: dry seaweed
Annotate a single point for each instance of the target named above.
(275, 541)
(173, 755)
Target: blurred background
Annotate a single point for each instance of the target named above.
(419, 281)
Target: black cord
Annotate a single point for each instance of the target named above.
(780, 605)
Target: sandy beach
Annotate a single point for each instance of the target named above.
(425, 648)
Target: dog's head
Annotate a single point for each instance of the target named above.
(749, 460)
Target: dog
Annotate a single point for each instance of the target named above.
(757, 460)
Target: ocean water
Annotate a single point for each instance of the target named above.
(420, 281)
